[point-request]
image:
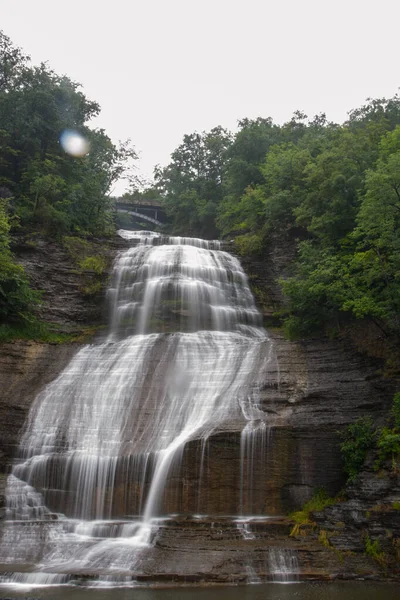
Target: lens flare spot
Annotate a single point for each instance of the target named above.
(74, 143)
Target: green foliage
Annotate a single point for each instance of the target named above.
(388, 446)
(91, 288)
(46, 187)
(336, 188)
(89, 262)
(396, 410)
(249, 244)
(373, 549)
(49, 188)
(41, 332)
(16, 297)
(191, 185)
(77, 247)
(388, 442)
(357, 234)
(359, 438)
(318, 502)
(97, 264)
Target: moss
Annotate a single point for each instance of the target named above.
(298, 529)
(91, 288)
(90, 261)
(324, 539)
(373, 549)
(77, 247)
(381, 508)
(318, 502)
(96, 264)
(39, 331)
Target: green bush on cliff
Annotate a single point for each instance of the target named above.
(396, 410)
(318, 502)
(95, 264)
(362, 436)
(388, 446)
(16, 297)
(359, 438)
(388, 442)
(373, 549)
(91, 265)
(249, 244)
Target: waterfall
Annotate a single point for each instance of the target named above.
(283, 565)
(182, 360)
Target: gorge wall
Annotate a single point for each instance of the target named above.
(313, 389)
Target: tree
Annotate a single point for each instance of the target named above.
(51, 189)
(16, 297)
(191, 185)
(12, 63)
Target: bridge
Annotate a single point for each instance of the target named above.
(144, 210)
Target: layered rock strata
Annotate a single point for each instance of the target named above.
(314, 388)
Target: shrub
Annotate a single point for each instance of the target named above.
(359, 438)
(97, 264)
(16, 297)
(319, 501)
(249, 244)
(373, 549)
(388, 446)
(389, 438)
(396, 410)
(77, 248)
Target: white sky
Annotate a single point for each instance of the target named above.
(163, 68)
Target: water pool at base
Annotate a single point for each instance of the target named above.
(273, 591)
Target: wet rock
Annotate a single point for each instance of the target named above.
(53, 271)
(312, 389)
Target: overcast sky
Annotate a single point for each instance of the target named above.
(163, 68)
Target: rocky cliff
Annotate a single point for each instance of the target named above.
(313, 388)
(326, 384)
(26, 366)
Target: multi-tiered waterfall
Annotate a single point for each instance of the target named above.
(101, 456)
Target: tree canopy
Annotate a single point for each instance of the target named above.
(335, 187)
(41, 185)
(48, 187)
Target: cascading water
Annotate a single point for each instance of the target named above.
(183, 359)
(283, 565)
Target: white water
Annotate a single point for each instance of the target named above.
(283, 565)
(183, 359)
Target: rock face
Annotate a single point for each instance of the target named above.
(27, 366)
(313, 389)
(65, 303)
